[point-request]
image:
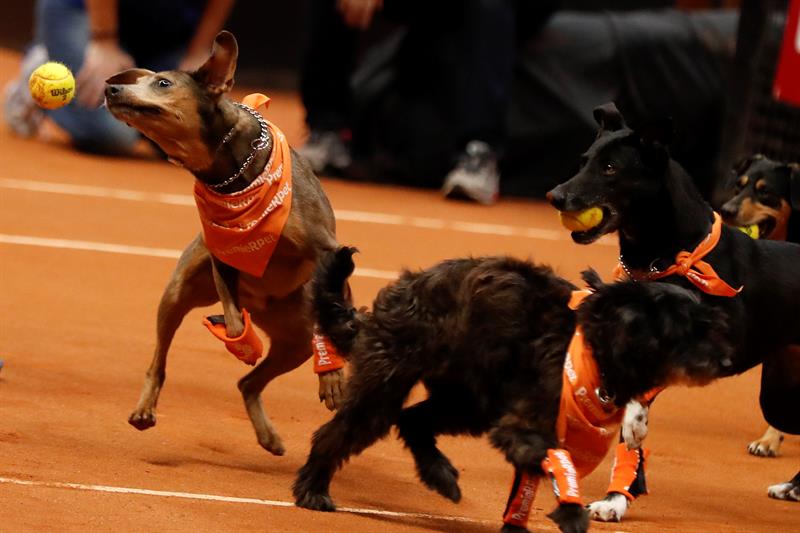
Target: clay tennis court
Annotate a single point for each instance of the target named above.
(86, 247)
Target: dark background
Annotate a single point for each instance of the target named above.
(272, 57)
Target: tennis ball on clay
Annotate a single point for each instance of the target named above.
(581, 220)
(52, 85)
(750, 231)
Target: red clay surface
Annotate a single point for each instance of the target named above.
(77, 333)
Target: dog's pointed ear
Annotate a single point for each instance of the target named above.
(218, 70)
(794, 185)
(608, 118)
(741, 166)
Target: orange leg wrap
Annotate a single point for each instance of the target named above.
(247, 347)
(520, 501)
(627, 465)
(326, 358)
(558, 465)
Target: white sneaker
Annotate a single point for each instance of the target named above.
(475, 176)
(326, 151)
(20, 112)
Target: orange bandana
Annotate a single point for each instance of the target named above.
(585, 427)
(690, 265)
(243, 228)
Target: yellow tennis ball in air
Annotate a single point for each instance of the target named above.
(52, 85)
(750, 231)
(581, 220)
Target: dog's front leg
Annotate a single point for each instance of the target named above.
(234, 328)
(628, 476)
(226, 279)
(634, 424)
(531, 447)
(190, 286)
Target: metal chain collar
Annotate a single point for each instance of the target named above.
(630, 275)
(261, 142)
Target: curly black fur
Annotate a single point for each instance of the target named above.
(487, 337)
(335, 314)
(660, 334)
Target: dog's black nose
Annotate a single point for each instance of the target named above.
(728, 211)
(112, 90)
(557, 198)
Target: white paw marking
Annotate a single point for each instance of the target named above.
(784, 491)
(610, 509)
(634, 424)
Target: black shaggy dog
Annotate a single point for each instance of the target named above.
(488, 338)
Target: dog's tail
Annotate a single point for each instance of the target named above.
(333, 307)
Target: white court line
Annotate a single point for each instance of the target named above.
(228, 499)
(145, 251)
(341, 214)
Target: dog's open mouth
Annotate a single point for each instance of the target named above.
(127, 109)
(765, 227)
(606, 225)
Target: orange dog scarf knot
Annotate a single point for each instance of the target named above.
(242, 229)
(692, 267)
(326, 358)
(247, 347)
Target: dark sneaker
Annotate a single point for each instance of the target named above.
(20, 112)
(326, 150)
(475, 176)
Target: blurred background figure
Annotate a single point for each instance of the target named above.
(445, 94)
(98, 38)
(474, 83)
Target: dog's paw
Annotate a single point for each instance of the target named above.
(785, 491)
(142, 420)
(610, 509)
(272, 443)
(634, 424)
(571, 518)
(508, 528)
(315, 502)
(332, 388)
(441, 476)
(768, 445)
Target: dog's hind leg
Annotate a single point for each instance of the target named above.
(289, 328)
(375, 394)
(443, 412)
(191, 286)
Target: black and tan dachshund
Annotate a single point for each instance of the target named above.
(766, 193)
(658, 213)
(488, 338)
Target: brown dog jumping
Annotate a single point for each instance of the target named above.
(266, 221)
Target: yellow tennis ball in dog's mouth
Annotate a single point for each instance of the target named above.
(52, 85)
(750, 231)
(581, 220)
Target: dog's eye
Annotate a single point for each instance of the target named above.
(609, 169)
(164, 83)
